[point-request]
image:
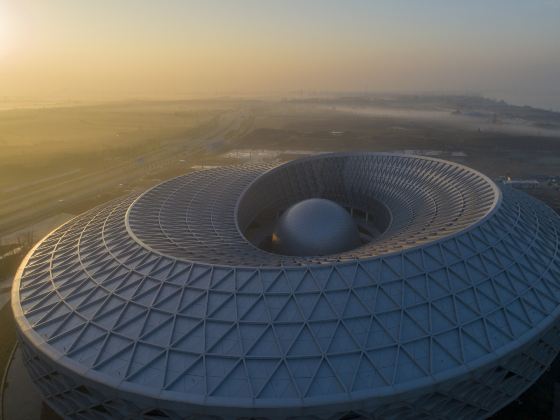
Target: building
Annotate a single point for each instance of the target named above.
(234, 293)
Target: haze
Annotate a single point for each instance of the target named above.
(82, 50)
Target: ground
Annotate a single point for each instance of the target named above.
(58, 162)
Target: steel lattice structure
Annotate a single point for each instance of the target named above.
(160, 305)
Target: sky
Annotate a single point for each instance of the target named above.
(107, 49)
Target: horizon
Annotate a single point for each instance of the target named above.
(14, 104)
(78, 51)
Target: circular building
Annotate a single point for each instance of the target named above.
(430, 292)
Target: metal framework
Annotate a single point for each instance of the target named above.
(158, 305)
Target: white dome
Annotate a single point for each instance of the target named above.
(316, 226)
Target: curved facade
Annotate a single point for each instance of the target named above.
(175, 303)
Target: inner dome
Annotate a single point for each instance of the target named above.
(313, 227)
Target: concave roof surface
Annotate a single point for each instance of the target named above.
(162, 295)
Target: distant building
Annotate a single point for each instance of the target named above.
(522, 183)
(413, 288)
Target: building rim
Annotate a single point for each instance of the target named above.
(489, 360)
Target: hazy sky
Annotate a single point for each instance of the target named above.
(98, 49)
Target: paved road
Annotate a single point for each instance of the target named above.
(5, 290)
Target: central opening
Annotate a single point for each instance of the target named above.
(315, 207)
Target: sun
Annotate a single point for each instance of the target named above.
(7, 24)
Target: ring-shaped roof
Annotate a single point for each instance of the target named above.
(162, 296)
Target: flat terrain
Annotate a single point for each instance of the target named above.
(495, 152)
(68, 159)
